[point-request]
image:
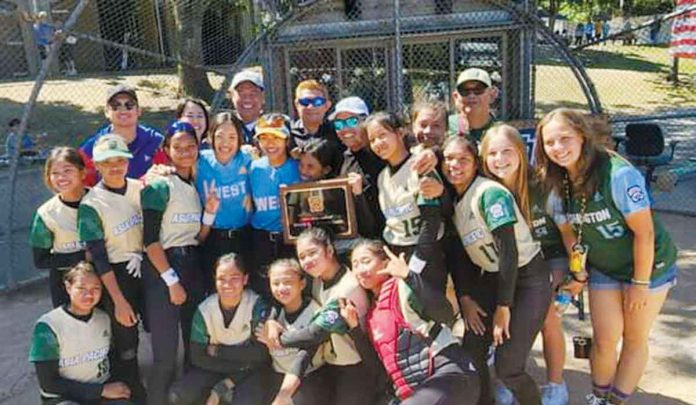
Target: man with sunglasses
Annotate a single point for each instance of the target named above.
(312, 103)
(472, 99)
(144, 142)
(358, 158)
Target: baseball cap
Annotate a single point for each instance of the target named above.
(121, 89)
(248, 75)
(474, 74)
(273, 124)
(108, 146)
(353, 105)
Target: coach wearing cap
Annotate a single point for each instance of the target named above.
(123, 112)
(248, 98)
(472, 99)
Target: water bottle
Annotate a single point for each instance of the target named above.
(563, 300)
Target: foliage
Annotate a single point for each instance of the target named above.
(582, 10)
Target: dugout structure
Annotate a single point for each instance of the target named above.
(393, 53)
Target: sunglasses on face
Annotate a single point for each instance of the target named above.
(348, 123)
(128, 105)
(313, 101)
(478, 90)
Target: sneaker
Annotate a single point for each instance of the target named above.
(503, 396)
(592, 399)
(554, 394)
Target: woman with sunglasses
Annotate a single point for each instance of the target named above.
(604, 214)
(505, 296)
(312, 103)
(172, 275)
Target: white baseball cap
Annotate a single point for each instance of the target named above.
(248, 75)
(353, 105)
(474, 74)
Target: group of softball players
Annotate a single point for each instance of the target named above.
(450, 228)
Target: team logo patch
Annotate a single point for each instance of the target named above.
(635, 193)
(497, 210)
(331, 317)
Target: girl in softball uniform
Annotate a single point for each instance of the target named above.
(226, 356)
(507, 293)
(70, 346)
(225, 168)
(504, 157)
(54, 239)
(604, 214)
(172, 276)
(345, 370)
(405, 197)
(266, 175)
(110, 223)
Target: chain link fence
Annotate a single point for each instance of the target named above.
(391, 53)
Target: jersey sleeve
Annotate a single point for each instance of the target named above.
(89, 224)
(40, 236)
(155, 196)
(628, 190)
(329, 318)
(498, 208)
(44, 344)
(199, 332)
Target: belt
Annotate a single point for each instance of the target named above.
(272, 236)
(182, 249)
(226, 233)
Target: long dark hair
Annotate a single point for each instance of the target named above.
(326, 153)
(226, 117)
(65, 154)
(200, 103)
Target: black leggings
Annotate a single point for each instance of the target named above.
(532, 299)
(267, 247)
(124, 354)
(164, 317)
(218, 243)
(251, 387)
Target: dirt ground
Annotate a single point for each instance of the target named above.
(668, 379)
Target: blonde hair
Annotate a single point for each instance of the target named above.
(520, 183)
(311, 85)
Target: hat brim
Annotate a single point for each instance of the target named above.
(272, 132)
(123, 93)
(235, 85)
(100, 157)
(333, 115)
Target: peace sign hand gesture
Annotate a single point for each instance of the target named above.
(396, 267)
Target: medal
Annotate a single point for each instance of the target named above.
(578, 258)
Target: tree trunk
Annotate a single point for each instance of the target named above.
(188, 18)
(674, 71)
(553, 10)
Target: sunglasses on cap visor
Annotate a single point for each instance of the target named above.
(271, 121)
(313, 101)
(348, 123)
(128, 105)
(478, 90)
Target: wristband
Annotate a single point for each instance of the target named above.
(640, 282)
(576, 279)
(208, 218)
(170, 277)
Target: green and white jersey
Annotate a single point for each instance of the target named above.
(342, 351)
(284, 358)
(486, 206)
(622, 192)
(544, 228)
(208, 326)
(413, 313)
(55, 227)
(81, 347)
(181, 207)
(113, 217)
(399, 200)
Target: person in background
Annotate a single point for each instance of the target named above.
(578, 34)
(589, 31)
(144, 142)
(11, 142)
(473, 98)
(348, 118)
(195, 112)
(312, 102)
(248, 98)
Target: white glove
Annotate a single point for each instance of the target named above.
(133, 266)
